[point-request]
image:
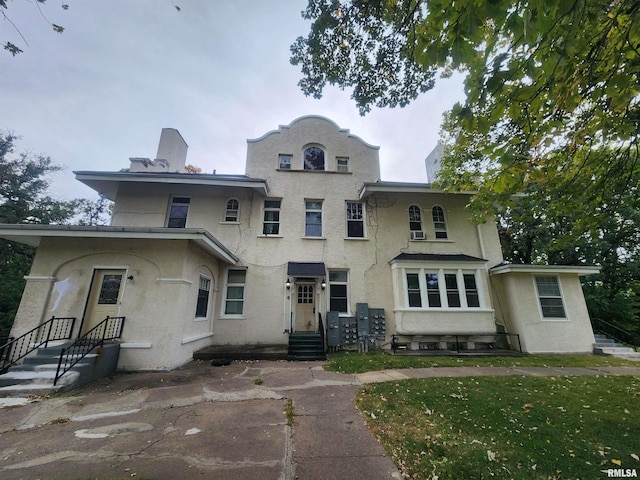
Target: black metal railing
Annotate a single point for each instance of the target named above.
(321, 330)
(56, 328)
(109, 329)
(471, 343)
(616, 333)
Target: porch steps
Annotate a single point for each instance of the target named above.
(606, 346)
(306, 346)
(37, 372)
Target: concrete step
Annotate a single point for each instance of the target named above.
(626, 352)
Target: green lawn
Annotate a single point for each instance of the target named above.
(354, 362)
(507, 427)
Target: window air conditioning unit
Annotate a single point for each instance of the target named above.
(417, 235)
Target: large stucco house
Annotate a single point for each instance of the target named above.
(310, 232)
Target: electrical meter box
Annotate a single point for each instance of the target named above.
(377, 322)
(348, 331)
(362, 317)
(333, 329)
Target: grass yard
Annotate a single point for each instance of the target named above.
(354, 362)
(507, 427)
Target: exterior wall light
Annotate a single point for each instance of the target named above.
(323, 284)
(288, 284)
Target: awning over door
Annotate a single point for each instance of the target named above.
(307, 269)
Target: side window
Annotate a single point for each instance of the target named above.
(202, 303)
(439, 223)
(413, 290)
(338, 291)
(284, 161)
(178, 211)
(342, 164)
(234, 297)
(415, 223)
(232, 211)
(313, 158)
(550, 297)
(271, 225)
(313, 218)
(355, 220)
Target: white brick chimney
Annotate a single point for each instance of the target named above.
(171, 156)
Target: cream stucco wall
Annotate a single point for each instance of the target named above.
(516, 295)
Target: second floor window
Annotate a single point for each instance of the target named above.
(271, 225)
(439, 223)
(313, 158)
(232, 212)
(284, 161)
(342, 164)
(178, 211)
(415, 223)
(313, 218)
(355, 220)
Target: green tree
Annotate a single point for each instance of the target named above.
(24, 180)
(552, 88)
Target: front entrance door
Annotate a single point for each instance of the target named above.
(104, 298)
(305, 307)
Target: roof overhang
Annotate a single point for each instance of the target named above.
(306, 269)
(369, 189)
(33, 235)
(580, 270)
(106, 183)
(437, 257)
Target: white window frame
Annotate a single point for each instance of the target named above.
(560, 296)
(348, 212)
(310, 209)
(178, 201)
(339, 282)
(440, 223)
(266, 222)
(443, 291)
(204, 281)
(225, 219)
(324, 158)
(416, 234)
(285, 161)
(342, 164)
(242, 300)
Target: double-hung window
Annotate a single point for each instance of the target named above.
(439, 222)
(342, 164)
(284, 161)
(232, 212)
(234, 298)
(355, 220)
(313, 218)
(338, 291)
(202, 303)
(550, 297)
(271, 225)
(178, 211)
(442, 288)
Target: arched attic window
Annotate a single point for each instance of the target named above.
(439, 223)
(232, 211)
(313, 158)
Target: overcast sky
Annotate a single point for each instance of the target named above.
(217, 70)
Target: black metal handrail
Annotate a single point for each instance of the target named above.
(616, 333)
(321, 330)
(108, 329)
(56, 328)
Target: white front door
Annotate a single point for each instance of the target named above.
(104, 298)
(305, 307)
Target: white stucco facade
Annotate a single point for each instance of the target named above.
(311, 228)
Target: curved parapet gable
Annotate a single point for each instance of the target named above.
(285, 150)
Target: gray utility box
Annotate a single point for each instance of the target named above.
(333, 329)
(362, 316)
(377, 322)
(369, 323)
(348, 331)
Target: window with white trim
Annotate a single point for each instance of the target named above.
(342, 164)
(202, 303)
(178, 211)
(339, 291)
(415, 223)
(284, 161)
(442, 288)
(234, 294)
(271, 225)
(550, 297)
(313, 158)
(355, 220)
(232, 211)
(439, 222)
(313, 218)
